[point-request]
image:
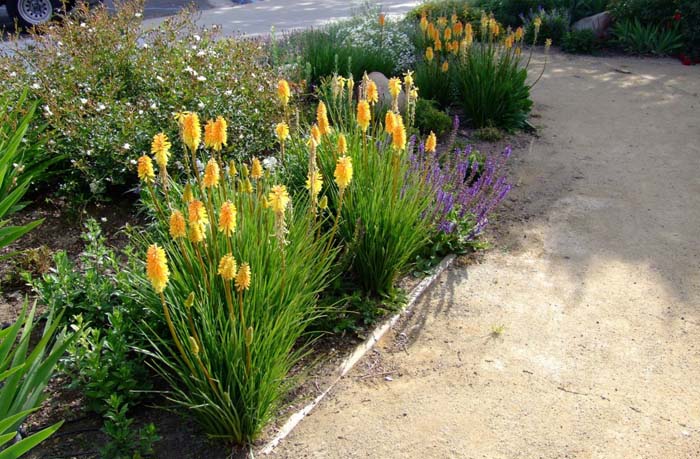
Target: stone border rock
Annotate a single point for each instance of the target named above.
(358, 353)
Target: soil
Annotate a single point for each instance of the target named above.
(578, 335)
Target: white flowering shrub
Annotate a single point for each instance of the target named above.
(105, 86)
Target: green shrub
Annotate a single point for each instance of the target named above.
(512, 12)
(647, 12)
(94, 295)
(464, 10)
(690, 27)
(24, 374)
(106, 83)
(488, 134)
(430, 118)
(636, 38)
(580, 42)
(580, 9)
(434, 83)
(492, 87)
(555, 24)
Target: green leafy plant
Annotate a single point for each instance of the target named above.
(105, 84)
(634, 37)
(580, 42)
(689, 15)
(430, 118)
(125, 441)
(580, 9)
(555, 24)
(435, 82)
(24, 374)
(647, 12)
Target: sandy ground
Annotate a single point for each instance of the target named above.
(594, 281)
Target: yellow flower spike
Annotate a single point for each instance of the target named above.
(227, 218)
(518, 51)
(282, 131)
(445, 67)
(351, 85)
(547, 44)
(519, 32)
(278, 198)
(342, 144)
(398, 137)
(423, 23)
(228, 267)
(322, 119)
(245, 172)
(414, 94)
(197, 213)
(194, 345)
(196, 234)
(247, 186)
(187, 194)
(372, 92)
(408, 79)
(448, 34)
(438, 44)
(157, 268)
(429, 54)
(215, 135)
(454, 18)
(394, 87)
(316, 134)
(537, 22)
(243, 277)
(177, 225)
(431, 143)
(145, 169)
(283, 92)
(160, 147)
(266, 203)
(389, 122)
(232, 171)
(343, 172)
(256, 169)
(190, 129)
(323, 203)
(382, 19)
(442, 21)
(189, 301)
(457, 29)
(314, 184)
(211, 174)
(364, 115)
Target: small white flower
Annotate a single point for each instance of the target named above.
(104, 219)
(201, 105)
(47, 110)
(159, 78)
(36, 86)
(270, 163)
(126, 146)
(196, 37)
(138, 15)
(83, 101)
(201, 78)
(13, 74)
(201, 53)
(132, 162)
(100, 107)
(228, 92)
(83, 25)
(154, 106)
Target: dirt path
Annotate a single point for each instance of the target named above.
(595, 279)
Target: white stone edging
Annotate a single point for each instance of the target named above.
(358, 353)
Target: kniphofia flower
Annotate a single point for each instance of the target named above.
(227, 218)
(423, 23)
(197, 213)
(445, 66)
(389, 122)
(160, 147)
(372, 92)
(187, 194)
(256, 169)
(364, 116)
(190, 129)
(343, 172)
(196, 233)
(243, 277)
(398, 137)
(227, 267)
(215, 135)
(145, 169)
(342, 144)
(429, 54)
(322, 119)
(177, 225)
(315, 134)
(382, 19)
(278, 198)
(282, 131)
(211, 174)
(431, 143)
(394, 87)
(283, 92)
(314, 183)
(157, 268)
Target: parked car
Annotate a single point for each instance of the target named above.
(34, 12)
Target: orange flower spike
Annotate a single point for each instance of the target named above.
(227, 218)
(157, 268)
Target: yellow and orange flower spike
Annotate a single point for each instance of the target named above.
(160, 147)
(227, 267)
(243, 277)
(372, 92)
(278, 198)
(382, 19)
(438, 44)
(178, 228)
(448, 34)
(227, 218)
(519, 32)
(314, 183)
(322, 119)
(187, 194)
(190, 129)
(315, 134)
(196, 233)
(445, 67)
(398, 135)
(144, 169)
(283, 92)
(342, 144)
(364, 115)
(429, 54)
(282, 131)
(211, 174)
(457, 29)
(423, 23)
(215, 135)
(197, 213)
(442, 21)
(157, 268)
(431, 143)
(389, 122)
(343, 172)
(408, 80)
(256, 169)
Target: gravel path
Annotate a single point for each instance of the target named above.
(594, 281)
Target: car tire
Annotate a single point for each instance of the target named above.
(30, 13)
